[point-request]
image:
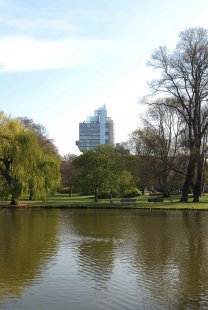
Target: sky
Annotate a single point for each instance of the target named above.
(61, 60)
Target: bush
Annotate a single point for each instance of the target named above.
(106, 195)
(133, 192)
(63, 190)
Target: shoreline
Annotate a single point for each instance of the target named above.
(201, 206)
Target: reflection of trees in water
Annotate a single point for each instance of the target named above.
(95, 260)
(166, 251)
(28, 238)
(98, 234)
(194, 262)
(172, 256)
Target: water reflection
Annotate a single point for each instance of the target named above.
(95, 243)
(172, 255)
(28, 239)
(166, 252)
(104, 259)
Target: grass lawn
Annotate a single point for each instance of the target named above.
(64, 201)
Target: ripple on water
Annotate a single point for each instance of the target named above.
(104, 260)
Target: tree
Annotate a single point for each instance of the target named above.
(122, 149)
(45, 176)
(98, 170)
(157, 144)
(184, 86)
(18, 153)
(24, 164)
(44, 142)
(68, 171)
(125, 181)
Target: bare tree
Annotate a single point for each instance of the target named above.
(184, 86)
(157, 144)
(68, 171)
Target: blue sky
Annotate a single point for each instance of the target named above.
(61, 60)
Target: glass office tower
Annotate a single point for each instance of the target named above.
(96, 130)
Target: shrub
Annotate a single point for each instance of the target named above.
(132, 192)
(106, 195)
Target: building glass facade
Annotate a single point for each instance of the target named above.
(96, 130)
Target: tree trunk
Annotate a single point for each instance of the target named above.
(185, 191)
(14, 201)
(111, 194)
(166, 193)
(15, 192)
(197, 187)
(96, 195)
(188, 180)
(143, 189)
(30, 196)
(196, 192)
(70, 190)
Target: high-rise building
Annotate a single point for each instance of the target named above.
(96, 130)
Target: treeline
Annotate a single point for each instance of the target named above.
(170, 148)
(147, 162)
(105, 172)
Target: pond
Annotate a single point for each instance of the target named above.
(103, 259)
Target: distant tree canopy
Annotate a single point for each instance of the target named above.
(26, 166)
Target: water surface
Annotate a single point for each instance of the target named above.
(103, 259)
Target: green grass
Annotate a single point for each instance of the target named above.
(64, 201)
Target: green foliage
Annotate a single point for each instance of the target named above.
(108, 195)
(4, 193)
(125, 180)
(98, 170)
(25, 166)
(133, 192)
(45, 178)
(17, 155)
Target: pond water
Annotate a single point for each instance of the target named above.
(103, 259)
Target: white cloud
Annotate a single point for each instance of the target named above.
(26, 54)
(38, 24)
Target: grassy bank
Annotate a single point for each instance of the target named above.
(64, 201)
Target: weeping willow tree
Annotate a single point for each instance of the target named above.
(24, 165)
(18, 153)
(45, 177)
